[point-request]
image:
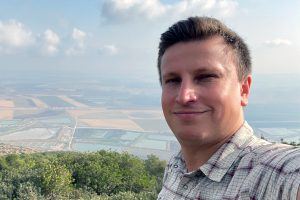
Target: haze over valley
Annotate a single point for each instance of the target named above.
(58, 112)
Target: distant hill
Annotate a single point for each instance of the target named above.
(10, 149)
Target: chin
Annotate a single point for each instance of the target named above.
(191, 136)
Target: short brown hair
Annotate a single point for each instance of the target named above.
(201, 28)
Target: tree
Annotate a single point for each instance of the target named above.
(155, 167)
(54, 177)
(100, 175)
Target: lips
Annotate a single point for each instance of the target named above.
(186, 112)
(189, 112)
(189, 115)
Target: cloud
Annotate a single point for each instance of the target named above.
(124, 10)
(278, 42)
(227, 8)
(51, 42)
(127, 9)
(109, 50)
(14, 35)
(78, 37)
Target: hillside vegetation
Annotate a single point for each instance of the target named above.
(101, 175)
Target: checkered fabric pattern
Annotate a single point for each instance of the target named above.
(245, 167)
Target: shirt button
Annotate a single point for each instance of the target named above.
(185, 187)
(175, 166)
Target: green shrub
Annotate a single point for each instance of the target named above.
(102, 175)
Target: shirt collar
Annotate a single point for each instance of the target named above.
(221, 161)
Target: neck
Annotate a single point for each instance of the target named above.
(197, 155)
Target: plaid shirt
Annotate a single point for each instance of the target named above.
(245, 167)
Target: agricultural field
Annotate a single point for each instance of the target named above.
(89, 139)
(70, 122)
(6, 109)
(30, 134)
(72, 101)
(6, 114)
(55, 101)
(6, 103)
(23, 102)
(90, 115)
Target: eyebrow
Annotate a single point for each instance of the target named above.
(197, 71)
(206, 70)
(168, 75)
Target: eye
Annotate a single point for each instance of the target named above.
(206, 77)
(172, 80)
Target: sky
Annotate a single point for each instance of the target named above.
(119, 38)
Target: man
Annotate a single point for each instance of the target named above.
(205, 74)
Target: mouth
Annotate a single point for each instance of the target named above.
(189, 116)
(190, 112)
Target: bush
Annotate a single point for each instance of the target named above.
(101, 175)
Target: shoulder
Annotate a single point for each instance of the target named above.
(280, 157)
(277, 170)
(269, 157)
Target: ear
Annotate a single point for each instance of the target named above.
(245, 90)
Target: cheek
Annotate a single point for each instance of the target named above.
(166, 101)
(219, 100)
(214, 97)
(229, 101)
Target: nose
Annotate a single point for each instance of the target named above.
(187, 94)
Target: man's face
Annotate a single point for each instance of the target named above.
(202, 97)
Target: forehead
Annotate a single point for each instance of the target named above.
(208, 54)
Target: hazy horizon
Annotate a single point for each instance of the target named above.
(74, 67)
(115, 38)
